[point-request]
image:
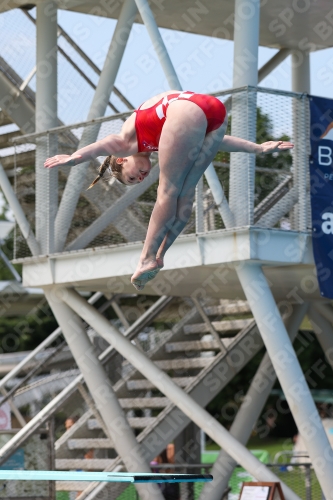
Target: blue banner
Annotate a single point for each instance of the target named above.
(321, 179)
(15, 462)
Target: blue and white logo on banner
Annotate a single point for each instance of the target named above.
(321, 178)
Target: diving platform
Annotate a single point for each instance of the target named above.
(199, 264)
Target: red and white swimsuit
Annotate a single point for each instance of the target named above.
(149, 122)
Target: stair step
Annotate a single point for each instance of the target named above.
(71, 485)
(89, 443)
(4, 120)
(240, 306)
(129, 403)
(186, 364)
(5, 139)
(220, 326)
(24, 159)
(135, 423)
(83, 463)
(196, 345)
(135, 385)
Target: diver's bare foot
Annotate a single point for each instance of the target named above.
(145, 272)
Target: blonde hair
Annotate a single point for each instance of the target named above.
(114, 168)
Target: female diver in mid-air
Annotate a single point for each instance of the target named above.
(187, 130)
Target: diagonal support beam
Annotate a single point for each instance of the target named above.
(107, 404)
(158, 44)
(163, 382)
(13, 408)
(105, 85)
(14, 102)
(117, 309)
(62, 32)
(18, 212)
(208, 324)
(289, 372)
(273, 62)
(249, 412)
(283, 206)
(219, 197)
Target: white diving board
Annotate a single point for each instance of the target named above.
(110, 477)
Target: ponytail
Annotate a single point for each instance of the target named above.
(101, 171)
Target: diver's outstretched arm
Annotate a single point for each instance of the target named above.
(122, 144)
(112, 144)
(231, 144)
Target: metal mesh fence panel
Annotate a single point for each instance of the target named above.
(273, 188)
(35, 454)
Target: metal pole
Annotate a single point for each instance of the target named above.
(163, 382)
(18, 212)
(300, 83)
(14, 409)
(199, 213)
(300, 74)
(288, 371)
(322, 327)
(46, 117)
(117, 309)
(277, 59)
(101, 390)
(157, 41)
(249, 412)
(219, 196)
(104, 88)
(245, 72)
(208, 324)
(10, 266)
(308, 485)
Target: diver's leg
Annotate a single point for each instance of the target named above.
(185, 200)
(181, 142)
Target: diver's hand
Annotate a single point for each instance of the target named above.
(275, 146)
(62, 161)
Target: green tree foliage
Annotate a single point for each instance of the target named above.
(25, 333)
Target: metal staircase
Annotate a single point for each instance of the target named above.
(188, 352)
(195, 362)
